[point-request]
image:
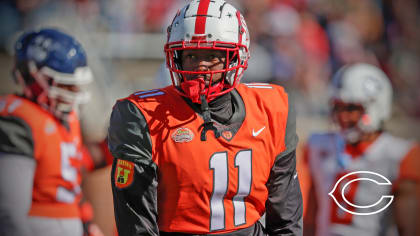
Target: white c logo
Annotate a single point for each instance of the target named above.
(384, 198)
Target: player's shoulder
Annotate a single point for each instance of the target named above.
(150, 98)
(324, 142)
(150, 95)
(317, 138)
(12, 105)
(264, 92)
(132, 109)
(262, 88)
(394, 146)
(17, 131)
(387, 137)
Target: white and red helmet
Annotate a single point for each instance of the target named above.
(210, 25)
(368, 86)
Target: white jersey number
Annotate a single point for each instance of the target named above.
(219, 165)
(68, 173)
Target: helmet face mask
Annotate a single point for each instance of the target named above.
(51, 68)
(347, 116)
(366, 88)
(219, 27)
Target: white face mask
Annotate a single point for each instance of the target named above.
(352, 135)
(67, 101)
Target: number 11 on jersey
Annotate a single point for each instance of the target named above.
(219, 165)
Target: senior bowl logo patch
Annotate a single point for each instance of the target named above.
(124, 173)
(182, 135)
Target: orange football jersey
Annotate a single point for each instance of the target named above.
(218, 185)
(58, 155)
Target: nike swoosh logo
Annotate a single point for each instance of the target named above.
(255, 134)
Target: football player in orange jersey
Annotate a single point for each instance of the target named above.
(207, 155)
(41, 148)
(344, 198)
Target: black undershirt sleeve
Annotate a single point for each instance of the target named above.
(135, 206)
(284, 207)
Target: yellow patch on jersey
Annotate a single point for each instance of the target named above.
(124, 172)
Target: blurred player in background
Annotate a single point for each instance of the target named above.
(41, 151)
(208, 154)
(361, 102)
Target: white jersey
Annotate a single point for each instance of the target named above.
(328, 162)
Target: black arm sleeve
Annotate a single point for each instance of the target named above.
(284, 207)
(16, 136)
(135, 206)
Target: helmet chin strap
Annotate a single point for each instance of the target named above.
(197, 91)
(207, 125)
(193, 88)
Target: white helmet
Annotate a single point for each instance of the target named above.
(368, 86)
(214, 25)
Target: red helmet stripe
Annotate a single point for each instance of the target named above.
(241, 28)
(200, 22)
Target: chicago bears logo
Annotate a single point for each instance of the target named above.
(124, 172)
(342, 193)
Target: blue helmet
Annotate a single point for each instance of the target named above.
(47, 63)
